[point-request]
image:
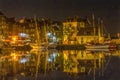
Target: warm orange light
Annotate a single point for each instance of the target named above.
(14, 38)
(22, 20)
(14, 56)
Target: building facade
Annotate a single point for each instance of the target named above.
(80, 31)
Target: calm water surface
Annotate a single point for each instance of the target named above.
(60, 65)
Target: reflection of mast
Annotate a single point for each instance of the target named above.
(94, 68)
(46, 58)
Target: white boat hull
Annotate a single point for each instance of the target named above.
(97, 46)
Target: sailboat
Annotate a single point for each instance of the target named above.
(99, 45)
(39, 45)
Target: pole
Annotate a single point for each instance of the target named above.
(46, 63)
(38, 42)
(93, 20)
(94, 68)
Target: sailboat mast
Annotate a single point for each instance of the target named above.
(93, 24)
(102, 28)
(93, 20)
(37, 31)
(38, 42)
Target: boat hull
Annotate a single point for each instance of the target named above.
(97, 46)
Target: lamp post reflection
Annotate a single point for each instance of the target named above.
(14, 60)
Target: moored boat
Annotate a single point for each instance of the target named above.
(36, 46)
(99, 46)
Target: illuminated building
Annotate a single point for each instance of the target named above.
(3, 26)
(71, 31)
(115, 38)
(80, 31)
(27, 26)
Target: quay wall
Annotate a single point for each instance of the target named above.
(70, 47)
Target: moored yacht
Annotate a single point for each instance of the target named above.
(98, 46)
(36, 46)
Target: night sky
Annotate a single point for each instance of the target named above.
(107, 10)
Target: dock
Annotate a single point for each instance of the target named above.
(70, 47)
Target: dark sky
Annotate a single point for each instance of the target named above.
(107, 10)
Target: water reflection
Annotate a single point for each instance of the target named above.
(55, 65)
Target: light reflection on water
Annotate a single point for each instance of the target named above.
(55, 65)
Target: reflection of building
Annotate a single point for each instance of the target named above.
(70, 62)
(82, 61)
